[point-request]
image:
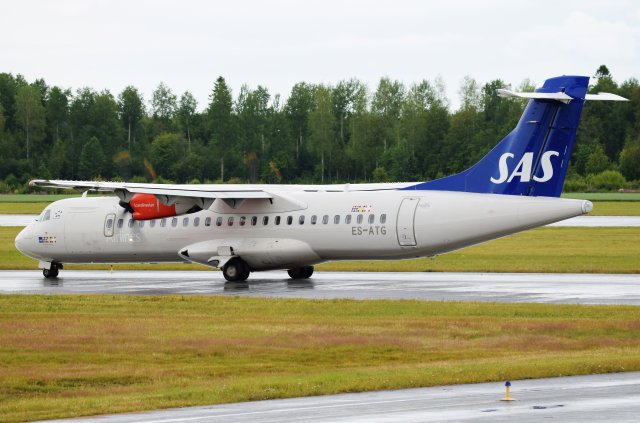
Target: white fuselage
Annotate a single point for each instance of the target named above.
(268, 234)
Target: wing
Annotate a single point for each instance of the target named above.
(167, 194)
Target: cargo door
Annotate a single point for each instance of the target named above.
(406, 216)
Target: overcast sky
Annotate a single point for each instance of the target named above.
(188, 44)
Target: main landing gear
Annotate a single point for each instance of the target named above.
(52, 271)
(235, 270)
(300, 272)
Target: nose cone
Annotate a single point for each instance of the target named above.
(22, 241)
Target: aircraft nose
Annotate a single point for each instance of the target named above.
(23, 239)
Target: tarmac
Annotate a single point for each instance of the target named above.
(552, 288)
(598, 398)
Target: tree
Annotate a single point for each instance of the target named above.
(597, 161)
(630, 160)
(91, 160)
(386, 107)
(131, 109)
(30, 114)
(424, 127)
(186, 113)
(163, 103)
(298, 106)
(220, 121)
(166, 152)
(321, 123)
(57, 111)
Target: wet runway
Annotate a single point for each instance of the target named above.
(580, 221)
(494, 287)
(610, 397)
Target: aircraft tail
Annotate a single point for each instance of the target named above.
(533, 159)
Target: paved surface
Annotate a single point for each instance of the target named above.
(497, 287)
(585, 221)
(611, 397)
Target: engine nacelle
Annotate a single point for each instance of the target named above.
(147, 207)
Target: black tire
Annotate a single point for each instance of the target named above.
(300, 272)
(235, 270)
(51, 273)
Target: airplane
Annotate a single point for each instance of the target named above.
(248, 228)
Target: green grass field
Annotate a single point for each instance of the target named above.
(34, 198)
(65, 356)
(578, 250)
(603, 196)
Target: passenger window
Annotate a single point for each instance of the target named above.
(243, 220)
(196, 221)
(347, 219)
(383, 218)
(219, 221)
(325, 219)
(207, 221)
(230, 221)
(174, 222)
(254, 220)
(152, 223)
(265, 220)
(372, 218)
(185, 222)
(289, 220)
(141, 223)
(120, 223)
(131, 223)
(163, 223)
(336, 219)
(109, 223)
(359, 219)
(277, 220)
(314, 219)
(301, 220)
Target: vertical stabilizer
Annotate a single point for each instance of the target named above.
(533, 159)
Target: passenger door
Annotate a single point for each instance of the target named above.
(109, 223)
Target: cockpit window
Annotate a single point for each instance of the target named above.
(46, 215)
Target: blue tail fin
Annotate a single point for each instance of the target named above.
(533, 159)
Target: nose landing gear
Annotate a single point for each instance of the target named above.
(235, 270)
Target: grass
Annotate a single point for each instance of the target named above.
(22, 208)
(603, 196)
(575, 250)
(34, 198)
(65, 356)
(611, 208)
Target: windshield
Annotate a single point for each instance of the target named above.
(46, 215)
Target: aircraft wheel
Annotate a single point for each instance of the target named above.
(51, 272)
(236, 270)
(301, 272)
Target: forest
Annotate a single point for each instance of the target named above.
(345, 132)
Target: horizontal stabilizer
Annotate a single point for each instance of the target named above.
(605, 97)
(559, 96)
